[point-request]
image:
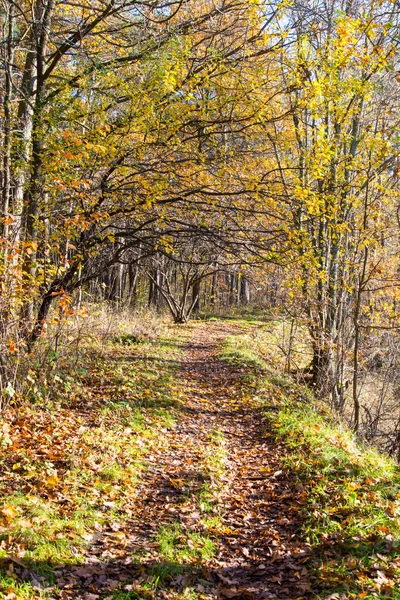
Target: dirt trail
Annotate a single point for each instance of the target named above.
(257, 555)
(260, 557)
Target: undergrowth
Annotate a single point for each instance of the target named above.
(276, 344)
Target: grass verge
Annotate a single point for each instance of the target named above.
(349, 498)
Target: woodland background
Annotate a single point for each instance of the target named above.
(203, 157)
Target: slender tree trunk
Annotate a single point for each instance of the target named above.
(356, 317)
(214, 287)
(196, 297)
(7, 142)
(34, 192)
(132, 285)
(232, 288)
(244, 291)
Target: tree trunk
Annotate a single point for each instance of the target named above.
(6, 176)
(196, 297)
(132, 285)
(43, 13)
(244, 291)
(214, 287)
(64, 283)
(320, 369)
(232, 289)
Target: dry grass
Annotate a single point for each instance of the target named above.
(67, 342)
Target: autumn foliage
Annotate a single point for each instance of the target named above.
(182, 155)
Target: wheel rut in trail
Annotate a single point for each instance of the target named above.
(257, 554)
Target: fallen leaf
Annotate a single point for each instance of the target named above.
(10, 511)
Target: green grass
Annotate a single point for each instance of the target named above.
(213, 467)
(163, 572)
(183, 545)
(179, 545)
(157, 577)
(23, 591)
(214, 460)
(238, 350)
(350, 503)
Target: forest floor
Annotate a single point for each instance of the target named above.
(167, 477)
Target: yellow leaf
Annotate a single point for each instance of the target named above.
(10, 512)
(52, 481)
(353, 485)
(33, 499)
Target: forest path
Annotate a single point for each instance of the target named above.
(257, 554)
(214, 514)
